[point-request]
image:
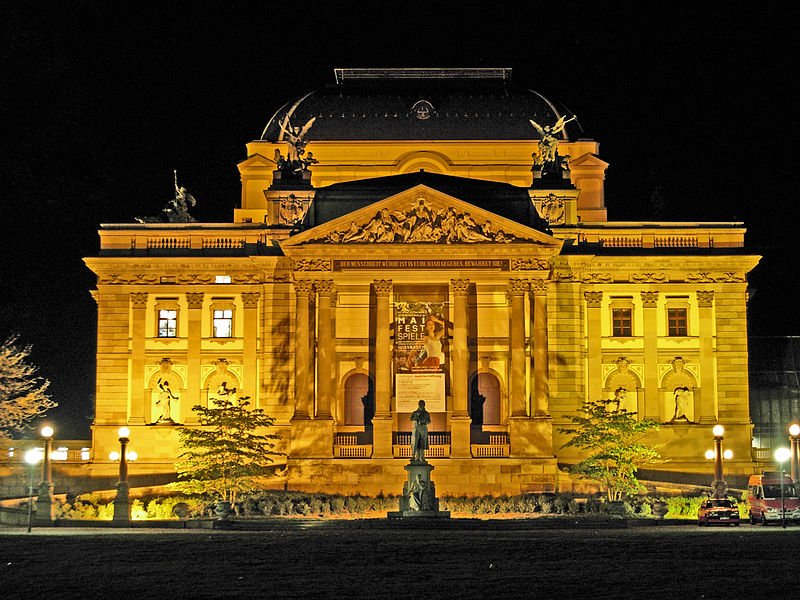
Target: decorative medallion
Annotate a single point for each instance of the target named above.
(422, 110)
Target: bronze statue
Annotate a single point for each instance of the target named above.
(548, 142)
(419, 435)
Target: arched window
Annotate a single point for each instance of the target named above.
(489, 388)
(356, 388)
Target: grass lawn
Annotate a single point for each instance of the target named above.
(377, 561)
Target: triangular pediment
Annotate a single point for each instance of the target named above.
(421, 215)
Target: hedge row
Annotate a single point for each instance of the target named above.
(277, 503)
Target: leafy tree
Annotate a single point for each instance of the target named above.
(22, 392)
(226, 454)
(613, 438)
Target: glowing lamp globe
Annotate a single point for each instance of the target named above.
(47, 431)
(794, 430)
(727, 455)
(782, 455)
(113, 455)
(718, 431)
(33, 456)
(131, 455)
(124, 432)
(709, 454)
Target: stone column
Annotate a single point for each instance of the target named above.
(325, 348)
(382, 421)
(138, 334)
(302, 357)
(250, 347)
(460, 420)
(707, 408)
(541, 371)
(594, 345)
(517, 289)
(652, 401)
(194, 301)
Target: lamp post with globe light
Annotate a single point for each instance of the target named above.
(122, 501)
(32, 458)
(794, 441)
(45, 507)
(719, 484)
(782, 455)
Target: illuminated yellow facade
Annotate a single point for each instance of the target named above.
(418, 255)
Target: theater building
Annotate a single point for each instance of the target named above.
(436, 234)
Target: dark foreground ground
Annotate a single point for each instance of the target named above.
(379, 560)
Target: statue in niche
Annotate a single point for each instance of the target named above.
(620, 396)
(419, 495)
(222, 384)
(682, 398)
(164, 401)
(177, 209)
(419, 435)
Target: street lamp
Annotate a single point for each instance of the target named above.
(122, 502)
(782, 455)
(32, 458)
(719, 485)
(794, 440)
(45, 507)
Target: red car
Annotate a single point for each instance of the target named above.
(718, 510)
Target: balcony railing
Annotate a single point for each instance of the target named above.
(438, 444)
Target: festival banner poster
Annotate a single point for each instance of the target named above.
(420, 355)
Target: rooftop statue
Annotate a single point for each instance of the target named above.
(176, 210)
(548, 142)
(296, 160)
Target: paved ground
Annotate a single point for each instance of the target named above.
(377, 560)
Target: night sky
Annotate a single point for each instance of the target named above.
(695, 108)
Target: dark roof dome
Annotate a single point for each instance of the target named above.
(418, 104)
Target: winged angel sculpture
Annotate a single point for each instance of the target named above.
(296, 159)
(548, 142)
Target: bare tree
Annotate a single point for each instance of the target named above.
(23, 394)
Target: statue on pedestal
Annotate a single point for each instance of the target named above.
(176, 210)
(548, 162)
(295, 163)
(419, 435)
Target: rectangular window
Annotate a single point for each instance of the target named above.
(622, 322)
(223, 323)
(167, 323)
(222, 279)
(677, 322)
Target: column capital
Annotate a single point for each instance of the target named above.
(517, 287)
(593, 299)
(194, 299)
(383, 287)
(705, 299)
(139, 299)
(539, 287)
(650, 299)
(303, 287)
(460, 286)
(325, 287)
(250, 299)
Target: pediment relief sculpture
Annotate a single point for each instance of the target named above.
(422, 224)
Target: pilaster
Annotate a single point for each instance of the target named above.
(594, 345)
(652, 406)
(138, 334)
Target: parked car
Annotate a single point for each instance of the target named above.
(718, 510)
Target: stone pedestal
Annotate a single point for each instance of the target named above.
(45, 507)
(419, 494)
(122, 503)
